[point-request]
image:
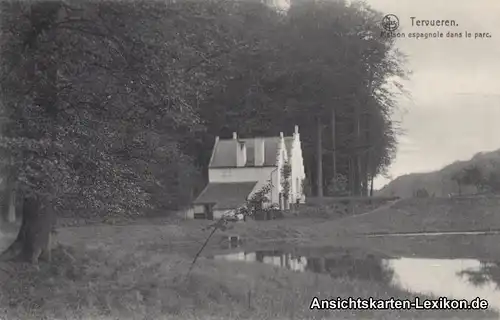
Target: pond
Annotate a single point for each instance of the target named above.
(453, 278)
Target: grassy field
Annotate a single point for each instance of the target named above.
(145, 284)
(432, 214)
(139, 271)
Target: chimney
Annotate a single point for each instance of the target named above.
(296, 133)
(259, 152)
(281, 135)
(235, 136)
(241, 153)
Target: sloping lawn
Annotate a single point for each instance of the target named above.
(427, 215)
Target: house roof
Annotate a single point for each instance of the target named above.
(225, 152)
(226, 195)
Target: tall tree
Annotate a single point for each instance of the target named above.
(97, 96)
(324, 56)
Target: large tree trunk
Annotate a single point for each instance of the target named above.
(367, 158)
(11, 209)
(367, 176)
(351, 175)
(34, 238)
(309, 182)
(334, 148)
(371, 185)
(319, 159)
(8, 199)
(357, 163)
(365, 171)
(38, 219)
(4, 209)
(364, 175)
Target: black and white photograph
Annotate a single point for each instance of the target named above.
(249, 159)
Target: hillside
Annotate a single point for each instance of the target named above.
(439, 183)
(429, 215)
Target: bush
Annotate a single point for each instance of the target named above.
(270, 213)
(339, 186)
(422, 193)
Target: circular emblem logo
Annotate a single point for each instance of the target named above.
(390, 22)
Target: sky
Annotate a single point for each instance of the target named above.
(454, 110)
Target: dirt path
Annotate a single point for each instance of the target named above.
(379, 209)
(343, 227)
(432, 234)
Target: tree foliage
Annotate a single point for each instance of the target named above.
(286, 172)
(98, 100)
(473, 175)
(422, 193)
(97, 97)
(340, 187)
(321, 56)
(108, 108)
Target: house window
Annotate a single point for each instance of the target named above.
(201, 216)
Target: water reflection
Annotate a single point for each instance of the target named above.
(368, 267)
(275, 258)
(444, 277)
(453, 278)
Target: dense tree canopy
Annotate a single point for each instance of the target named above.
(326, 58)
(112, 107)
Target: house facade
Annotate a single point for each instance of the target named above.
(239, 168)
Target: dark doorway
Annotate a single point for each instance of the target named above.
(209, 211)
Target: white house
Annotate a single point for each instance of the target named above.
(240, 167)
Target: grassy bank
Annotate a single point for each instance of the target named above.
(340, 207)
(412, 215)
(324, 219)
(127, 284)
(139, 271)
(432, 214)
